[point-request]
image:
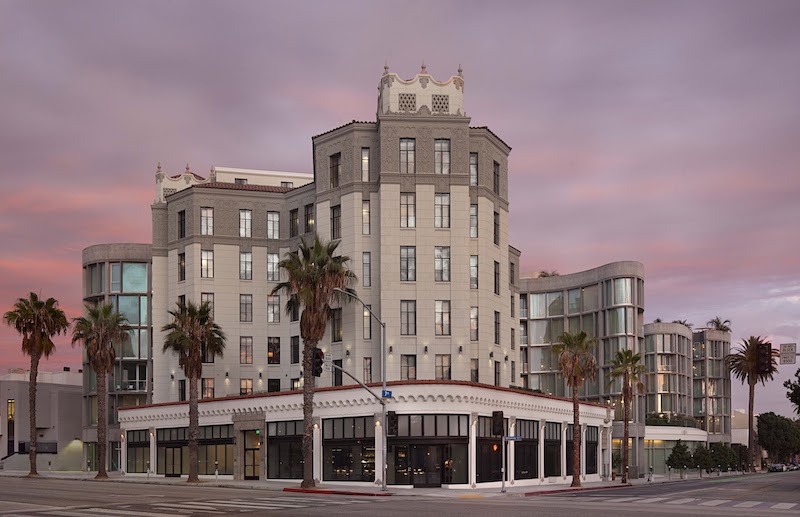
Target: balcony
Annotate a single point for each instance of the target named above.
(132, 386)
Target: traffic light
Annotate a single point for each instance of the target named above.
(391, 423)
(497, 423)
(764, 358)
(319, 358)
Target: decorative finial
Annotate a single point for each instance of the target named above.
(424, 68)
(187, 168)
(460, 71)
(158, 169)
(385, 67)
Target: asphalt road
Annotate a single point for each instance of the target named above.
(758, 495)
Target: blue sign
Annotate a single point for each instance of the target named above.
(513, 438)
(386, 394)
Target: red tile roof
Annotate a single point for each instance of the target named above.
(343, 125)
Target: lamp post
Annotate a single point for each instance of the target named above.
(383, 380)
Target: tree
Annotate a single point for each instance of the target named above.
(657, 320)
(577, 364)
(99, 330)
(684, 323)
(793, 393)
(702, 458)
(314, 273)
(680, 457)
(778, 435)
(193, 335)
(544, 273)
(723, 455)
(627, 366)
(744, 365)
(718, 323)
(37, 321)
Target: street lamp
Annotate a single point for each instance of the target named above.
(383, 379)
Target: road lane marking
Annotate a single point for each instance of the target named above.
(783, 506)
(651, 500)
(256, 506)
(118, 511)
(747, 504)
(621, 500)
(715, 502)
(682, 501)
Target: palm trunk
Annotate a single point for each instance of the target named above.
(194, 429)
(102, 424)
(32, 406)
(750, 442)
(576, 439)
(626, 402)
(308, 412)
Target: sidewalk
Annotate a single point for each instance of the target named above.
(361, 490)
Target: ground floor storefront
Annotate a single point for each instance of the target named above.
(441, 435)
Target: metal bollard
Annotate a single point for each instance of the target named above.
(216, 470)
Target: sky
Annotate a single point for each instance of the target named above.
(662, 132)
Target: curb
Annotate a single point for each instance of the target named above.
(323, 491)
(568, 490)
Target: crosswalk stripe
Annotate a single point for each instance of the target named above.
(185, 505)
(681, 501)
(747, 504)
(715, 502)
(257, 506)
(75, 513)
(783, 506)
(651, 500)
(621, 500)
(119, 511)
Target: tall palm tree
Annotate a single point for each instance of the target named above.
(577, 364)
(627, 366)
(718, 323)
(38, 321)
(744, 365)
(314, 272)
(99, 330)
(547, 273)
(192, 334)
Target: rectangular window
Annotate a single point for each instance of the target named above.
(441, 211)
(497, 228)
(245, 386)
(240, 181)
(365, 217)
(367, 370)
(441, 263)
(523, 333)
(182, 390)
(408, 367)
(442, 317)
(442, 367)
(513, 372)
(335, 167)
(511, 274)
(474, 365)
(245, 350)
(513, 339)
(367, 322)
(496, 277)
(366, 269)
(337, 372)
(365, 164)
(473, 324)
(473, 272)
(294, 222)
(182, 224)
(295, 384)
(336, 325)
(523, 306)
(245, 223)
(287, 184)
(295, 313)
(273, 308)
(408, 263)
(273, 270)
(496, 328)
(209, 299)
(336, 217)
(408, 317)
(206, 221)
(408, 210)
(273, 225)
(295, 349)
(473, 221)
(473, 169)
(441, 156)
(273, 350)
(245, 266)
(208, 388)
(273, 385)
(407, 156)
(308, 218)
(245, 307)
(497, 373)
(496, 178)
(181, 267)
(206, 264)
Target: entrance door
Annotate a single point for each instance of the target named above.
(252, 455)
(426, 465)
(173, 460)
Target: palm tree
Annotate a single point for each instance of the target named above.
(719, 324)
(684, 323)
(627, 366)
(544, 273)
(314, 273)
(193, 335)
(744, 365)
(576, 363)
(38, 321)
(99, 330)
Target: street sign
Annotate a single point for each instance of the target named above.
(387, 394)
(513, 438)
(788, 353)
(326, 364)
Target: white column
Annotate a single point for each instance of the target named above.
(123, 451)
(583, 451)
(317, 457)
(153, 451)
(378, 448)
(564, 428)
(542, 425)
(512, 428)
(608, 450)
(473, 446)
